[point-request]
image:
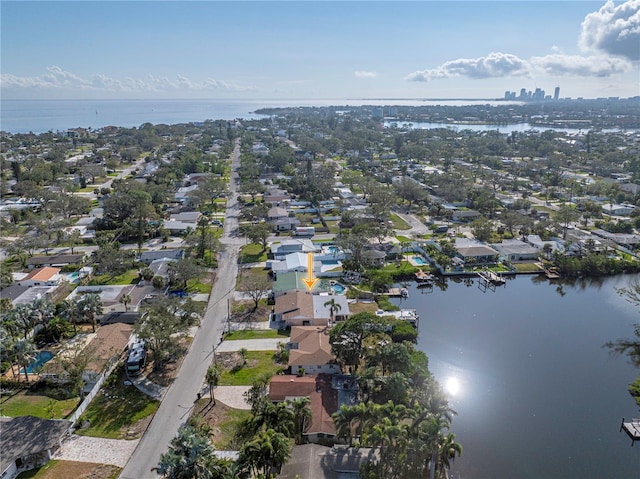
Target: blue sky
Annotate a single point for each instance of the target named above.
(317, 50)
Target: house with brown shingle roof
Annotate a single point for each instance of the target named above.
(295, 308)
(108, 344)
(310, 350)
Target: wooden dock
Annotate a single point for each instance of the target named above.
(632, 428)
(552, 273)
(398, 292)
(491, 277)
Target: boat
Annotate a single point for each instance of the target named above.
(422, 277)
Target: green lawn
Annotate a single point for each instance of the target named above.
(25, 404)
(259, 363)
(255, 334)
(197, 287)
(527, 267)
(228, 427)
(252, 253)
(115, 408)
(399, 223)
(56, 469)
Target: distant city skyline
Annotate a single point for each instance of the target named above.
(317, 50)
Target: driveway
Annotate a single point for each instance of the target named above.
(270, 344)
(232, 396)
(96, 449)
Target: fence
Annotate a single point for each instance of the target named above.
(94, 391)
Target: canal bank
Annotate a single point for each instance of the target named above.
(536, 393)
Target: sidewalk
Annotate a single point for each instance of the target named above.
(270, 344)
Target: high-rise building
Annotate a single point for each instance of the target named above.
(556, 93)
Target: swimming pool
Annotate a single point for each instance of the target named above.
(338, 288)
(73, 277)
(419, 260)
(41, 358)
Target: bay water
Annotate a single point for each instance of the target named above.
(536, 393)
(39, 116)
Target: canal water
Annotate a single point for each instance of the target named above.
(537, 395)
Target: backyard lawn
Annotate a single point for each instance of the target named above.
(115, 411)
(128, 277)
(79, 470)
(26, 404)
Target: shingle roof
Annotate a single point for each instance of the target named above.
(313, 346)
(26, 435)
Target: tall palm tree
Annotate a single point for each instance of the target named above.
(302, 416)
(212, 378)
(68, 310)
(24, 351)
(333, 307)
(276, 416)
(89, 307)
(265, 453)
(447, 450)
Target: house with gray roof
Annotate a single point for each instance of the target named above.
(516, 250)
(28, 442)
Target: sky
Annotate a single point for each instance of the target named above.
(317, 50)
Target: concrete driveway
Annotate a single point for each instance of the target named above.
(96, 449)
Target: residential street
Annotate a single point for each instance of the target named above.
(179, 400)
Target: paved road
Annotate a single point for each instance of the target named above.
(179, 400)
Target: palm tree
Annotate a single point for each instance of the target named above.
(68, 310)
(302, 416)
(125, 299)
(266, 452)
(89, 307)
(276, 416)
(190, 456)
(24, 351)
(333, 307)
(212, 378)
(447, 450)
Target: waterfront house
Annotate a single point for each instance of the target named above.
(315, 461)
(295, 308)
(475, 252)
(516, 250)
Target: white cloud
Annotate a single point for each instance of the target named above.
(614, 30)
(365, 74)
(494, 65)
(57, 78)
(598, 66)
